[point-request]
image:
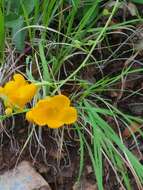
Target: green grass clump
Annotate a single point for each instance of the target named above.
(2, 32)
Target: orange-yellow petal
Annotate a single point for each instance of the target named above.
(60, 101)
(29, 116)
(13, 85)
(23, 95)
(10, 87)
(18, 78)
(52, 111)
(27, 92)
(37, 115)
(1, 90)
(43, 115)
(17, 92)
(44, 102)
(55, 124)
(40, 117)
(69, 115)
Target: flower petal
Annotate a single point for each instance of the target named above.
(54, 124)
(27, 92)
(10, 88)
(52, 111)
(29, 116)
(22, 95)
(38, 115)
(44, 115)
(69, 115)
(44, 102)
(1, 90)
(17, 92)
(18, 78)
(60, 101)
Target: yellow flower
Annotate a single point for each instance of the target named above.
(17, 92)
(52, 111)
(8, 111)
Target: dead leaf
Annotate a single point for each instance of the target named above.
(132, 8)
(133, 128)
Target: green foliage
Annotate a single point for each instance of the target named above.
(2, 33)
(20, 13)
(137, 1)
(27, 5)
(15, 18)
(16, 24)
(106, 143)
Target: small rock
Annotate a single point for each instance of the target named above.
(24, 177)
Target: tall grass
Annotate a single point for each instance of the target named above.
(2, 32)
